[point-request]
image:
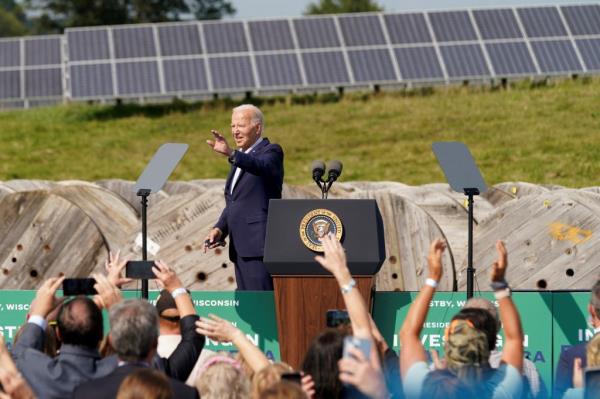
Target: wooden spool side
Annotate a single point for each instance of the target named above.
(124, 189)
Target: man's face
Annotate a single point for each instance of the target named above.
(244, 131)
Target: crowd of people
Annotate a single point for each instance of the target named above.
(157, 351)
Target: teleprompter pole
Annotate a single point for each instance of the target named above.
(144, 193)
(470, 192)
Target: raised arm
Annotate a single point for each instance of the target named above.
(222, 330)
(412, 350)
(334, 260)
(513, 346)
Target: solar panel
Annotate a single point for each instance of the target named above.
(42, 51)
(590, 53)
(452, 26)
(10, 53)
(407, 28)
(317, 32)
(511, 58)
(463, 61)
(179, 40)
(583, 20)
(10, 84)
(325, 67)
(270, 35)
(137, 78)
(232, 73)
(134, 42)
(497, 24)
(542, 22)
(43, 82)
(278, 70)
(185, 75)
(225, 37)
(372, 65)
(556, 56)
(361, 30)
(419, 63)
(86, 45)
(89, 81)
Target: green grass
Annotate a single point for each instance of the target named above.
(546, 134)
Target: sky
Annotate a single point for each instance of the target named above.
(252, 9)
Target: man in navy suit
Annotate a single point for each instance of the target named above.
(256, 176)
(564, 369)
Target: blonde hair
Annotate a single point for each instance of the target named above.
(223, 381)
(593, 352)
(268, 376)
(145, 383)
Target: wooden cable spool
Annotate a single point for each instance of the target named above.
(124, 189)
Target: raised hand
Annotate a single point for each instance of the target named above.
(434, 259)
(365, 375)
(499, 267)
(114, 268)
(108, 293)
(217, 329)
(219, 144)
(334, 259)
(166, 275)
(45, 298)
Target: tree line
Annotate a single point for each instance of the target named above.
(35, 17)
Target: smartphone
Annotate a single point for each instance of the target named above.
(592, 383)
(364, 345)
(335, 318)
(294, 377)
(79, 286)
(140, 269)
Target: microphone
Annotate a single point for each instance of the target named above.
(334, 170)
(318, 170)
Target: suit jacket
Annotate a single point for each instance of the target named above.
(564, 369)
(57, 377)
(245, 215)
(108, 387)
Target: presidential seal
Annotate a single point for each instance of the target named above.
(316, 224)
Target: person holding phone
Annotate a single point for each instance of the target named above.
(255, 177)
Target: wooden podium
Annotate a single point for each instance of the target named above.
(304, 291)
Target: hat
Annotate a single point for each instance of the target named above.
(466, 345)
(165, 301)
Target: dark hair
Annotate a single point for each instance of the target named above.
(80, 323)
(483, 321)
(283, 390)
(443, 384)
(321, 362)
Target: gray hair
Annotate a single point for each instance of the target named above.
(482, 303)
(133, 329)
(595, 298)
(257, 115)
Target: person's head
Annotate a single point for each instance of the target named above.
(247, 125)
(442, 384)
(467, 350)
(268, 376)
(321, 362)
(594, 306)
(168, 315)
(283, 390)
(145, 383)
(133, 330)
(80, 323)
(593, 352)
(222, 378)
(482, 313)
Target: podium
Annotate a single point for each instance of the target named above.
(304, 290)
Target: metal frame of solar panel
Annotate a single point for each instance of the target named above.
(345, 50)
(31, 70)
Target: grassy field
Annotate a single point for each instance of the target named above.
(537, 133)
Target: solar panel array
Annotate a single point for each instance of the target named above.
(343, 50)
